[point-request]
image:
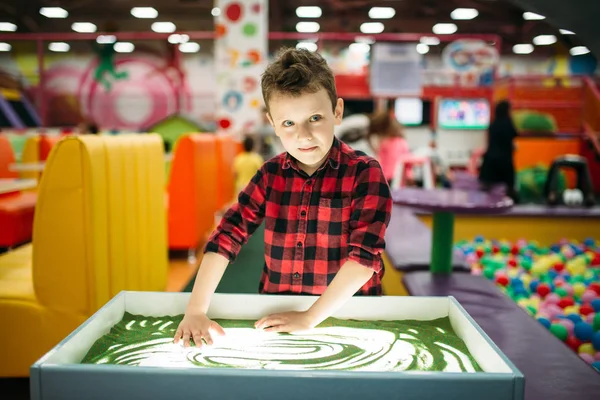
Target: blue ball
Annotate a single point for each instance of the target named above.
(516, 283)
(584, 331)
(596, 341)
(576, 318)
(552, 274)
(595, 305)
(589, 242)
(544, 321)
(596, 365)
(479, 239)
(533, 285)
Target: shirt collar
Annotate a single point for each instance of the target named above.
(333, 158)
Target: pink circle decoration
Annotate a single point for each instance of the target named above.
(256, 8)
(234, 11)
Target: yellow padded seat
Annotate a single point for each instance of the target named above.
(99, 228)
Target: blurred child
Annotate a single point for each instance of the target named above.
(246, 164)
(386, 137)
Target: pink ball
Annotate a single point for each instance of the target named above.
(554, 311)
(471, 259)
(597, 356)
(567, 323)
(552, 298)
(477, 271)
(590, 318)
(568, 288)
(559, 280)
(588, 358)
(588, 296)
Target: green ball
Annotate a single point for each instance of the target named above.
(559, 331)
(526, 264)
(596, 322)
(561, 292)
(489, 272)
(532, 310)
(577, 278)
(505, 249)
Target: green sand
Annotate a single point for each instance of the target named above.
(335, 345)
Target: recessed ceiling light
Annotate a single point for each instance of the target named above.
(359, 47)
(189, 47)
(381, 12)
(106, 39)
(5, 46)
(54, 12)
(430, 41)
(124, 47)
(308, 27)
(310, 46)
(144, 12)
(444, 29)
(163, 27)
(530, 16)
(59, 47)
(7, 27)
(464, 14)
(308, 12)
(566, 32)
(83, 27)
(215, 12)
(422, 48)
(177, 38)
(524, 48)
(579, 51)
(371, 27)
(364, 39)
(544, 40)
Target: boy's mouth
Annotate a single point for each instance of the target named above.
(307, 149)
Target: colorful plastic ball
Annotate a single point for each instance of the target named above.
(597, 356)
(595, 305)
(588, 296)
(583, 331)
(596, 341)
(578, 289)
(573, 343)
(596, 365)
(588, 358)
(587, 348)
(502, 280)
(567, 323)
(586, 309)
(575, 318)
(559, 331)
(595, 286)
(552, 298)
(566, 302)
(543, 290)
(562, 292)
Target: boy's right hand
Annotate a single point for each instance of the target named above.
(197, 326)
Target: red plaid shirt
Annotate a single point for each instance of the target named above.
(313, 224)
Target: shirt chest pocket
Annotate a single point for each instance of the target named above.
(334, 218)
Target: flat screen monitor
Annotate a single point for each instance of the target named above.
(464, 114)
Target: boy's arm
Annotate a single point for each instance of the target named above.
(371, 211)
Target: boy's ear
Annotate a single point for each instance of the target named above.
(270, 119)
(339, 111)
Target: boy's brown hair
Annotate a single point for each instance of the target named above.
(298, 71)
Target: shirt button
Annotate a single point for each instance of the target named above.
(299, 244)
(303, 213)
(296, 275)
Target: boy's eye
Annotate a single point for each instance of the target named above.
(287, 123)
(315, 118)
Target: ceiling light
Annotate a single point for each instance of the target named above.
(59, 47)
(464, 14)
(579, 51)
(381, 12)
(215, 12)
(430, 41)
(523, 48)
(177, 38)
(529, 16)
(144, 12)
(83, 27)
(5, 46)
(364, 39)
(310, 46)
(308, 12)
(163, 27)
(124, 47)
(189, 47)
(359, 47)
(544, 40)
(444, 29)
(371, 27)
(307, 27)
(106, 39)
(7, 27)
(566, 32)
(54, 12)
(422, 48)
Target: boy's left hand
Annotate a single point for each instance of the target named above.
(289, 322)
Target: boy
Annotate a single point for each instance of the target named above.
(325, 207)
(246, 164)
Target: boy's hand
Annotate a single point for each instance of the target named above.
(291, 321)
(197, 326)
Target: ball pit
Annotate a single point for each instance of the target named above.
(557, 285)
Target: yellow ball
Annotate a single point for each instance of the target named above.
(535, 301)
(513, 273)
(587, 348)
(523, 303)
(526, 279)
(578, 288)
(571, 310)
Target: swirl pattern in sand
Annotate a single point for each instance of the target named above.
(333, 345)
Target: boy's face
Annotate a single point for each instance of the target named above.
(305, 126)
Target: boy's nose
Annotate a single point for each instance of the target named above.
(304, 132)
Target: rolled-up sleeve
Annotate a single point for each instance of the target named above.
(240, 221)
(371, 211)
